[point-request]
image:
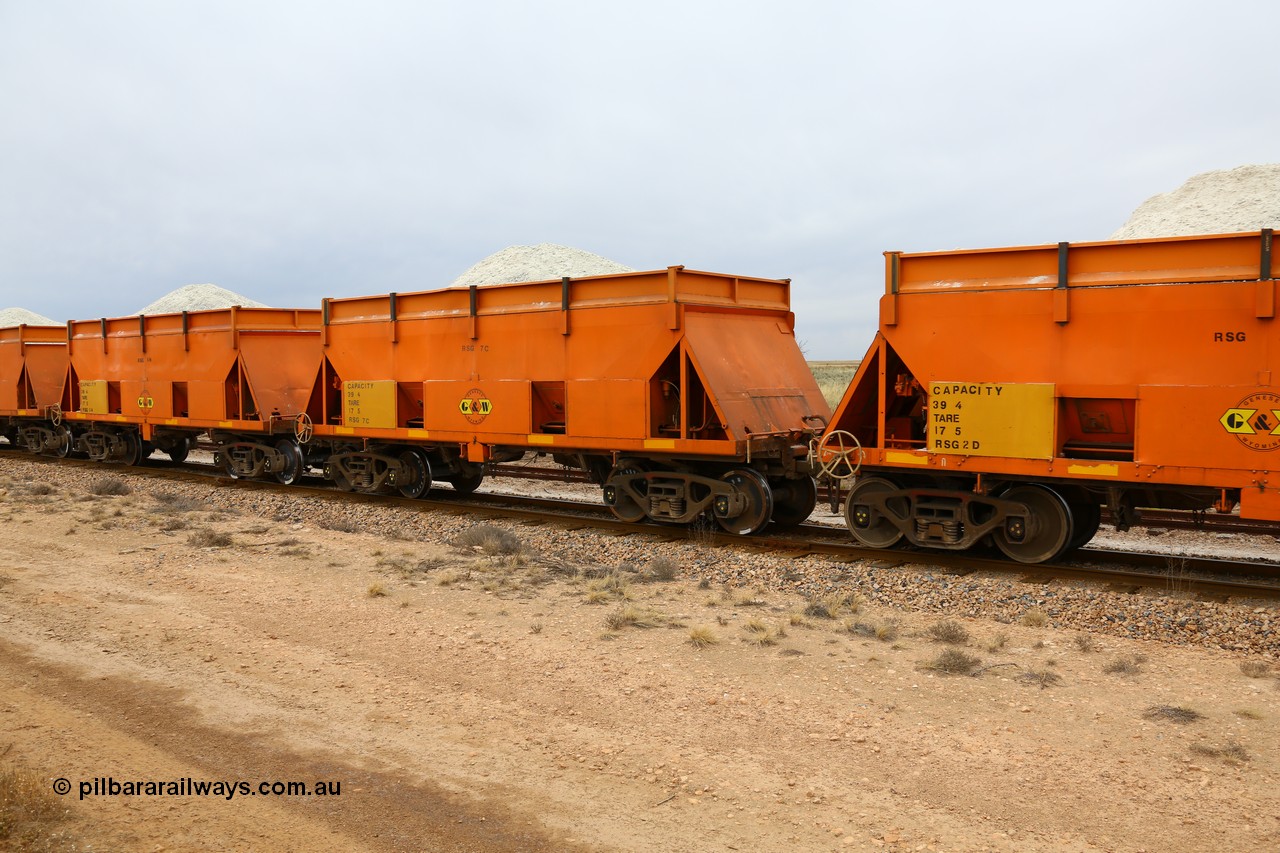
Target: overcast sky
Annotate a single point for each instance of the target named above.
(294, 150)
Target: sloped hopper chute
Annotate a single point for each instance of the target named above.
(280, 378)
(757, 376)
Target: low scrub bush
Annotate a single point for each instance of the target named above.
(954, 662)
(109, 487)
(490, 539)
(948, 631)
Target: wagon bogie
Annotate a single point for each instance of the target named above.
(110, 443)
(45, 438)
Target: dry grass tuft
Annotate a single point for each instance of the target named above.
(209, 538)
(831, 606)
(450, 577)
(1172, 713)
(953, 662)
(760, 634)
(948, 631)
(1043, 677)
(661, 569)
(998, 642)
(1125, 665)
(1249, 713)
(1034, 619)
(1230, 751)
(1086, 643)
(1256, 668)
(489, 539)
(29, 811)
(702, 637)
(376, 590)
(174, 502)
(630, 616)
(612, 586)
(109, 487)
(559, 567)
(886, 631)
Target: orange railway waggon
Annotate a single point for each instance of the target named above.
(1011, 393)
(683, 393)
(241, 375)
(33, 368)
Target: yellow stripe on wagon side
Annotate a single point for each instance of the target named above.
(900, 457)
(1095, 470)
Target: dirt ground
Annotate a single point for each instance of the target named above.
(467, 698)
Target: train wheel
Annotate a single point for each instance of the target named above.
(179, 451)
(1086, 516)
(132, 449)
(793, 501)
(867, 524)
(759, 509)
(624, 507)
(65, 440)
(415, 462)
(291, 473)
(1044, 534)
(466, 483)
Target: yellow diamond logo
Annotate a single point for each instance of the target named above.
(1236, 421)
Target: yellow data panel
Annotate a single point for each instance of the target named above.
(93, 396)
(991, 419)
(369, 404)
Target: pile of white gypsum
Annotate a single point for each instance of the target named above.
(198, 297)
(543, 262)
(20, 316)
(1246, 198)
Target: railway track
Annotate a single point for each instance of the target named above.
(1120, 570)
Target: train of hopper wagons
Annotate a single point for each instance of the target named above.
(1008, 396)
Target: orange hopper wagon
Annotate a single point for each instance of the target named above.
(1010, 393)
(137, 384)
(682, 392)
(33, 367)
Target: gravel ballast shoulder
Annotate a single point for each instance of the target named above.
(1166, 616)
